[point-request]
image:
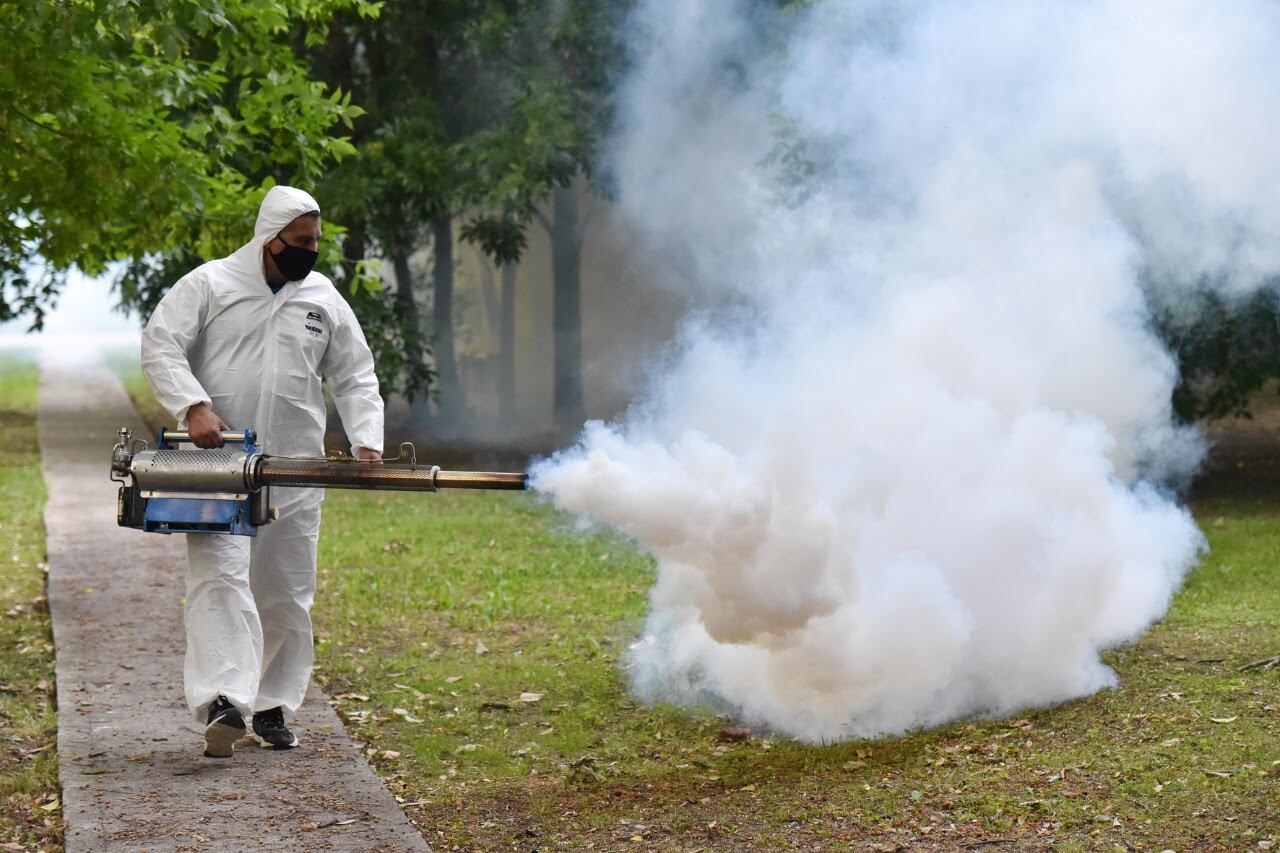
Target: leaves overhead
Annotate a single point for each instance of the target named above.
(137, 127)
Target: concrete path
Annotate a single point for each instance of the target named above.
(130, 754)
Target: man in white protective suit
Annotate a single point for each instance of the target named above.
(244, 342)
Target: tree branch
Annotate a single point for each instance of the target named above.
(42, 125)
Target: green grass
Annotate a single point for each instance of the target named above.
(412, 587)
(436, 613)
(29, 810)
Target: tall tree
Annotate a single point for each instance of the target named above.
(507, 345)
(136, 129)
(475, 113)
(560, 62)
(564, 230)
(418, 71)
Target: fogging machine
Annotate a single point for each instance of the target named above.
(228, 490)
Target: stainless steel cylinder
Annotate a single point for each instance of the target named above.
(204, 471)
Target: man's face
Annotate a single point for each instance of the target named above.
(303, 232)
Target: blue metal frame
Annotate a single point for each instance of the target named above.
(200, 515)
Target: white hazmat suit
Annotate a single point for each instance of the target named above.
(220, 336)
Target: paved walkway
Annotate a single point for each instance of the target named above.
(129, 752)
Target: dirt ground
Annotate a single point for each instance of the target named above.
(1244, 455)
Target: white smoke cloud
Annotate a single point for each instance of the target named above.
(909, 476)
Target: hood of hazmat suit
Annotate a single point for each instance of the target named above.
(220, 336)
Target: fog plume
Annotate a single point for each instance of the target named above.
(914, 466)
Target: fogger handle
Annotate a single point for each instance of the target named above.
(176, 436)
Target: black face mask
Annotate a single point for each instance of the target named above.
(294, 262)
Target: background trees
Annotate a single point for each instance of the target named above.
(476, 115)
(144, 132)
(1228, 348)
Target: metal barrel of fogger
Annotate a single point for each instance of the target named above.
(277, 471)
(229, 471)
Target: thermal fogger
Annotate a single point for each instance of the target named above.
(228, 490)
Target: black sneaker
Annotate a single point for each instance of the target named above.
(270, 731)
(225, 727)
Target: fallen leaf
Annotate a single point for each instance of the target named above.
(1173, 741)
(530, 698)
(390, 754)
(310, 827)
(1223, 719)
(481, 648)
(453, 679)
(735, 733)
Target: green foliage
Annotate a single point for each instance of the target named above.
(388, 334)
(1227, 348)
(471, 108)
(138, 127)
(791, 162)
(559, 62)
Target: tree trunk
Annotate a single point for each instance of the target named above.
(488, 291)
(411, 319)
(408, 307)
(566, 322)
(449, 392)
(507, 345)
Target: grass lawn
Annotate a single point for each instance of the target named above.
(29, 810)
(472, 643)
